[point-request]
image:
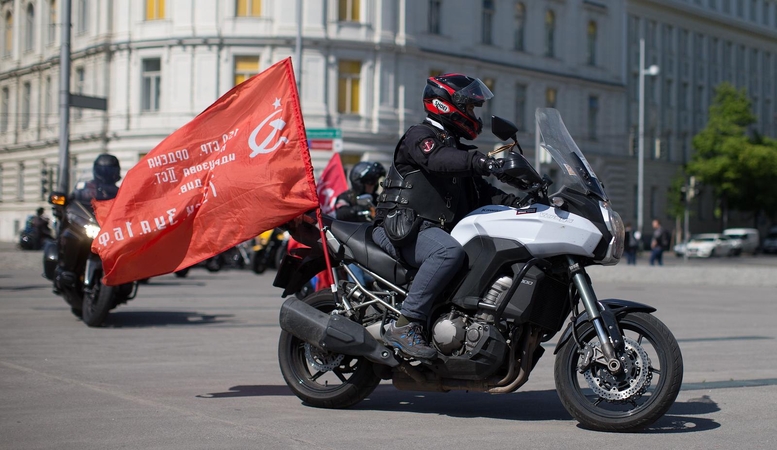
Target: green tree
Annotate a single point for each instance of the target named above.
(740, 169)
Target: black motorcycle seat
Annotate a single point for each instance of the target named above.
(357, 237)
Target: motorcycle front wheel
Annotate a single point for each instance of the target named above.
(97, 302)
(631, 400)
(320, 378)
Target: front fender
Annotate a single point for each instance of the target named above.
(613, 309)
(94, 270)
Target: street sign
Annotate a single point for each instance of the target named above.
(83, 101)
(324, 133)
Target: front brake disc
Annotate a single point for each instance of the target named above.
(630, 384)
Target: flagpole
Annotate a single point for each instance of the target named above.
(333, 286)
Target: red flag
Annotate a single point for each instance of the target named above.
(331, 183)
(239, 168)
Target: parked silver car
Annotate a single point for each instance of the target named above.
(709, 244)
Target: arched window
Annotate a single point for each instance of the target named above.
(591, 59)
(8, 35)
(520, 25)
(29, 28)
(550, 34)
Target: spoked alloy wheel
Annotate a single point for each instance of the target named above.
(634, 399)
(320, 378)
(97, 302)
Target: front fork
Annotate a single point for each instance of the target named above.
(607, 329)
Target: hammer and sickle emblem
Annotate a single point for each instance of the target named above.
(277, 125)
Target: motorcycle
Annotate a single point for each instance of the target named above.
(617, 367)
(80, 285)
(268, 250)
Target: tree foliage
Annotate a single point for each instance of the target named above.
(740, 169)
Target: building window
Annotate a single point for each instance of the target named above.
(348, 81)
(155, 9)
(591, 59)
(248, 8)
(78, 88)
(765, 13)
(152, 75)
(520, 26)
(8, 35)
(520, 106)
(593, 116)
(741, 8)
(26, 103)
(550, 34)
(52, 31)
(434, 16)
(753, 7)
(487, 22)
(550, 98)
(29, 29)
(5, 100)
(245, 68)
(82, 11)
(348, 10)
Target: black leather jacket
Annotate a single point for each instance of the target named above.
(432, 173)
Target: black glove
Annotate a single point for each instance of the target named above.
(483, 165)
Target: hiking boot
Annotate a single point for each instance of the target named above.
(409, 340)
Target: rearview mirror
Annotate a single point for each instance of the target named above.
(58, 198)
(504, 129)
(364, 200)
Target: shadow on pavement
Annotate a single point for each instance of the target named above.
(138, 319)
(251, 391)
(524, 406)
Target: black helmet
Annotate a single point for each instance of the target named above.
(446, 98)
(366, 172)
(106, 169)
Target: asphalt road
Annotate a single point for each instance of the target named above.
(191, 363)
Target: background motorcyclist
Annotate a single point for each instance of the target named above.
(433, 183)
(106, 171)
(364, 180)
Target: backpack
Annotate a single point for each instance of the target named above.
(632, 240)
(665, 240)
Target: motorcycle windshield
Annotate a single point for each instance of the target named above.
(576, 172)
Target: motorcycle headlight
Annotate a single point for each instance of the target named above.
(616, 228)
(91, 230)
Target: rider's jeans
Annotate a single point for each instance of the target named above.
(438, 258)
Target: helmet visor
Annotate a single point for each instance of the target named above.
(475, 93)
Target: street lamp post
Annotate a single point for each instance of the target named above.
(651, 71)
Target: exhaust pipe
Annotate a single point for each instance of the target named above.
(333, 333)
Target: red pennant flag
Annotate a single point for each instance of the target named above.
(331, 183)
(239, 168)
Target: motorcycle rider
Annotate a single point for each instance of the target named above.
(364, 180)
(433, 182)
(106, 171)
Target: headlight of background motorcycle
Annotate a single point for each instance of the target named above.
(615, 226)
(91, 230)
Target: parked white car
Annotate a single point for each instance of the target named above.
(709, 244)
(745, 240)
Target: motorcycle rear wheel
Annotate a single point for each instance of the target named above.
(639, 397)
(97, 303)
(324, 379)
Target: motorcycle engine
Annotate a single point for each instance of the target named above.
(456, 333)
(449, 332)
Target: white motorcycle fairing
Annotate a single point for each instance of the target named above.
(545, 231)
